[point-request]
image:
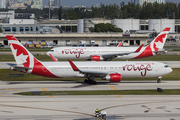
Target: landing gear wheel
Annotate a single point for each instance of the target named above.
(159, 81)
(92, 82)
(85, 81)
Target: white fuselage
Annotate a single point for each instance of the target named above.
(86, 52)
(126, 68)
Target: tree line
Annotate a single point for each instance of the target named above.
(111, 11)
(124, 11)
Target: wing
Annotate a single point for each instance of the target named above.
(114, 55)
(91, 73)
(159, 52)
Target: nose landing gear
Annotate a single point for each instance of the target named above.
(159, 79)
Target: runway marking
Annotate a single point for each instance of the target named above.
(163, 107)
(113, 87)
(13, 90)
(51, 96)
(47, 109)
(4, 92)
(119, 95)
(44, 89)
(146, 111)
(7, 111)
(137, 104)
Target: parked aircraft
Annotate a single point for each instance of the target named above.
(113, 71)
(107, 54)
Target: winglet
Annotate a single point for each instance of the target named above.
(119, 44)
(53, 58)
(73, 66)
(139, 48)
(11, 37)
(167, 29)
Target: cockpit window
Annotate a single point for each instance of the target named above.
(51, 50)
(166, 66)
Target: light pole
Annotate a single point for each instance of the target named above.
(49, 9)
(65, 26)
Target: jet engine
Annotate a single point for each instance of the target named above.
(114, 77)
(96, 58)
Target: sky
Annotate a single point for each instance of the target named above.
(89, 3)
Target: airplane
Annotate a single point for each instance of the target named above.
(107, 54)
(113, 71)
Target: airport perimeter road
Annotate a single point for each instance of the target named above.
(126, 107)
(8, 88)
(172, 64)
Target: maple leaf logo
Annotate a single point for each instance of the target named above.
(20, 55)
(159, 42)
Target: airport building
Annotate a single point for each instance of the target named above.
(74, 39)
(2, 3)
(84, 25)
(147, 1)
(19, 26)
(136, 32)
(38, 4)
(7, 15)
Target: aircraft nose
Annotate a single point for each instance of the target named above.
(170, 70)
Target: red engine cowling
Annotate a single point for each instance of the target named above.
(96, 58)
(114, 77)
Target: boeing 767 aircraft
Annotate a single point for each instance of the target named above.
(109, 53)
(112, 71)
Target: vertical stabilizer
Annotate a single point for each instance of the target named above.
(25, 61)
(156, 46)
(21, 54)
(159, 41)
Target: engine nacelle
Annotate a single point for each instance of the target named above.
(96, 58)
(114, 77)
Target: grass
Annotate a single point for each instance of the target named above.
(172, 48)
(109, 92)
(152, 58)
(4, 73)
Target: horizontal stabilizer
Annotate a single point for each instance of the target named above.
(18, 66)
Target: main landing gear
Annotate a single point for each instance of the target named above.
(159, 80)
(90, 81)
